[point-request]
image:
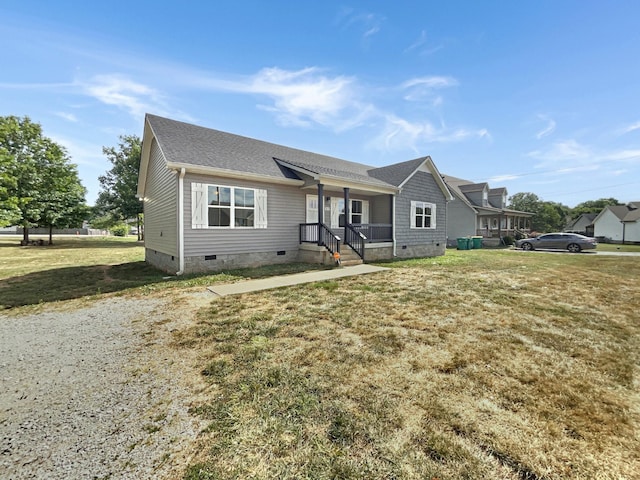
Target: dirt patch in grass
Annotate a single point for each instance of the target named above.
(475, 365)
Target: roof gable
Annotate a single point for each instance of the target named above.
(474, 187)
(399, 174)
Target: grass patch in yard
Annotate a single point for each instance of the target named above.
(478, 364)
(76, 267)
(613, 247)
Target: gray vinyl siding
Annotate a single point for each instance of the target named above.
(461, 219)
(496, 201)
(286, 209)
(476, 198)
(380, 209)
(160, 206)
(422, 188)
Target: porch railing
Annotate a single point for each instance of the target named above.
(321, 235)
(375, 232)
(354, 239)
(495, 232)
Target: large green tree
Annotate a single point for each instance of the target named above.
(117, 199)
(63, 197)
(548, 216)
(525, 202)
(593, 206)
(9, 211)
(33, 173)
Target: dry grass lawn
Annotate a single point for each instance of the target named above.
(479, 364)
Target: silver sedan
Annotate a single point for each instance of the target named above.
(558, 241)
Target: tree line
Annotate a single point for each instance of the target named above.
(554, 216)
(40, 187)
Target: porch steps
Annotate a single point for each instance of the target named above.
(348, 256)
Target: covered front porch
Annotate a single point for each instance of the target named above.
(349, 223)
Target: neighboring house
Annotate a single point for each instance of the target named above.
(215, 200)
(478, 210)
(619, 223)
(582, 225)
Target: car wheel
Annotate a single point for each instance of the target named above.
(574, 248)
(527, 246)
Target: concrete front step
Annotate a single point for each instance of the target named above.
(348, 263)
(349, 257)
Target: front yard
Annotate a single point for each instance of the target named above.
(478, 364)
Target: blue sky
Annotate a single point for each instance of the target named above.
(539, 97)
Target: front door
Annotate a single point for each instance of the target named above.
(334, 211)
(312, 209)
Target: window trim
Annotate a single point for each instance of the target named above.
(200, 207)
(432, 217)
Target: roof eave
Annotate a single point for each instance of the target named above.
(147, 138)
(341, 182)
(336, 181)
(223, 172)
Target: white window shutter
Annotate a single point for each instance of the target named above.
(413, 215)
(261, 209)
(433, 215)
(365, 211)
(198, 205)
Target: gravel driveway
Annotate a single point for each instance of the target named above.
(91, 393)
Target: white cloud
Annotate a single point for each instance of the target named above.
(503, 178)
(431, 82)
(572, 151)
(400, 134)
(567, 150)
(631, 128)
(124, 93)
(303, 97)
(67, 116)
(368, 23)
(423, 88)
(421, 45)
(548, 130)
(631, 156)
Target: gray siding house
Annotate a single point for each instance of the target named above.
(215, 200)
(478, 210)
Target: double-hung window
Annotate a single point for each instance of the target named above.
(228, 206)
(356, 211)
(423, 215)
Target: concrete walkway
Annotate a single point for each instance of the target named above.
(294, 279)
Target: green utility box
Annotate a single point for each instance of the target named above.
(477, 242)
(463, 243)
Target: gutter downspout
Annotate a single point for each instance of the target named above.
(181, 221)
(393, 223)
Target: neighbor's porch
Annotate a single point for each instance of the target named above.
(498, 226)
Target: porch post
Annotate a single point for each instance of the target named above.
(320, 210)
(320, 203)
(346, 210)
(347, 205)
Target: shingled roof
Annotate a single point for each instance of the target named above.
(397, 173)
(187, 146)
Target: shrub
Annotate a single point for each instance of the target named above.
(119, 230)
(508, 240)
